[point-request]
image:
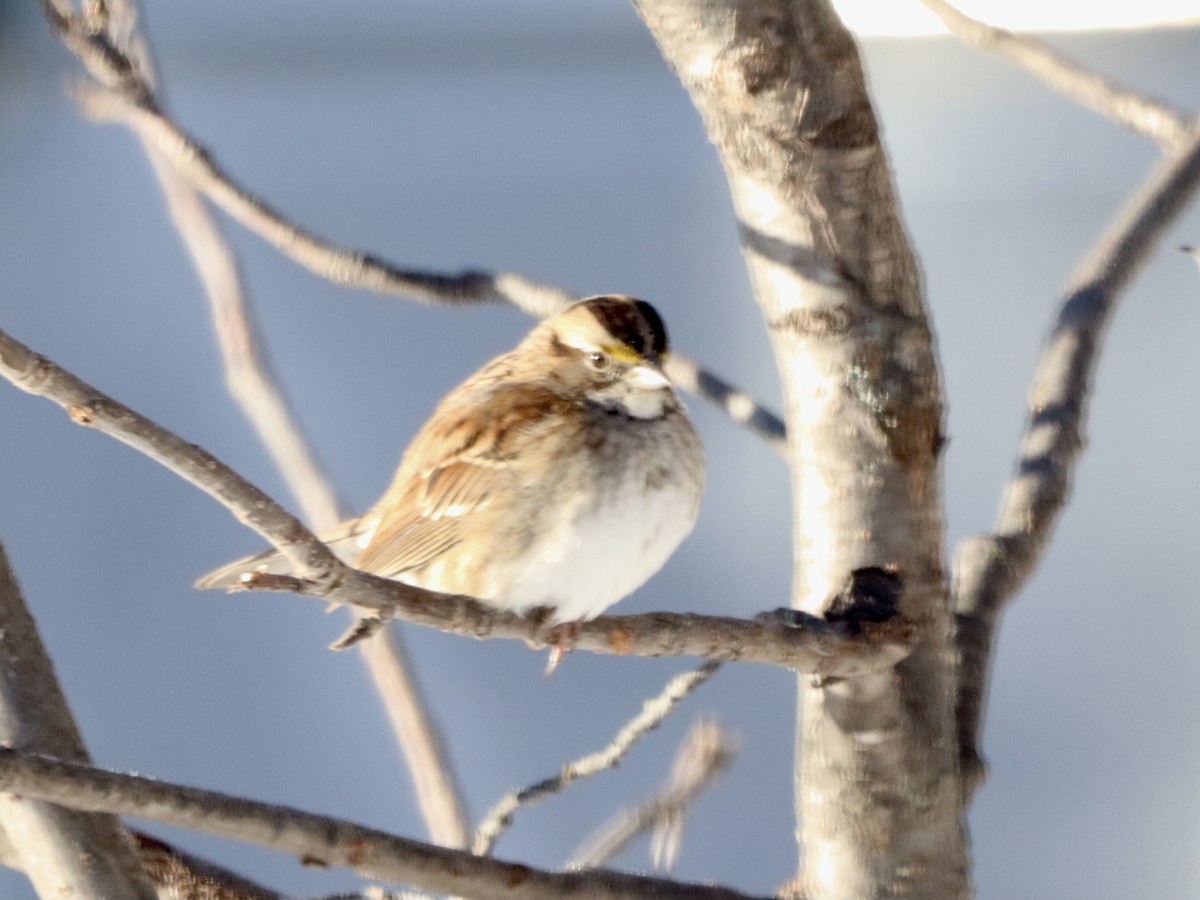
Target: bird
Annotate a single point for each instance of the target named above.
(560, 476)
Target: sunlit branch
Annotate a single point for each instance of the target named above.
(321, 840)
(1145, 115)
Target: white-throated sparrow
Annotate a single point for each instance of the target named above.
(562, 474)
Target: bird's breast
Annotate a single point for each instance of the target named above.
(640, 500)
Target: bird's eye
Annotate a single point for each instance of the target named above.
(601, 362)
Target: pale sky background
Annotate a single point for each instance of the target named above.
(550, 139)
(885, 18)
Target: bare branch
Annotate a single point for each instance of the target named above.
(824, 647)
(736, 404)
(654, 710)
(1145, 115)
(839, 647)
(434, 779)
(252, 383)
(86, 406)
(127, 98)
(990, 569)
(337, 264)
(248, 375)
(368, 272)
(704, 754)
(326, 841)
(65, 853)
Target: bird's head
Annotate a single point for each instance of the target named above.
(611, 349)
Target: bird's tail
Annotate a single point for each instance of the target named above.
(346, 539)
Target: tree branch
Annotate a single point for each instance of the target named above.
(253, 385)
(990, 569)
(840, 647)
(125, 97)
(325, 841)
(702, 756)
(64, 852)
(828, 648)
(1144, 115)
(780, 88)
(430, 766)
(248, 375)
(654, 710)
(367, 272)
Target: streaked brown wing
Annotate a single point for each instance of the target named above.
(408, 542)
(464, 460)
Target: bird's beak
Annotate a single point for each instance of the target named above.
(647, 378)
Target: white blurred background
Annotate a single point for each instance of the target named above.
(550, 139)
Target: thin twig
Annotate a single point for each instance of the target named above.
(325, 841)
(704, 754)
(86, 406)
(827, 648)
(360, 270)
(337, 264)
(125, 97)
(434, 778)
(1145, 115)
(248, 375)
(654, 710)
(252, 383)
(990, 569)
(65, 853)
(735, 403)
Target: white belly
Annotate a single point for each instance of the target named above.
(606, 551)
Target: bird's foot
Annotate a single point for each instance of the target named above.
(563, 639)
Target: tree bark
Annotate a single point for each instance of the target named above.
(780, 88)
(64, 852)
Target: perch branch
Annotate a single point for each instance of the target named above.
(1144, 115)
(837, 647)
(826, 648)
(654, 710)
(325, 841)
(704, 754)
(990, 569)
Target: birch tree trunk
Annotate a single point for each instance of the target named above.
(781, 91)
